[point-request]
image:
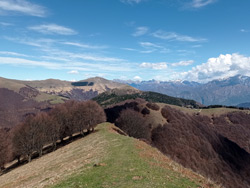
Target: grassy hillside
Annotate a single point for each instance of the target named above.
(103, 159)
(110, 98)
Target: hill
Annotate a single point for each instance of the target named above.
(81, 90)
(215, 145)
(118, 95)
(104, 159)
(17, 100)
(231, 91)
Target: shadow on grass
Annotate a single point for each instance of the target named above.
(46, 150)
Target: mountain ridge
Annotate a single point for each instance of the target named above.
(230, 91)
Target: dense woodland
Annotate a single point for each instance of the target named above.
(47, 129)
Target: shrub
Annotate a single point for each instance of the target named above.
(153, 106)
(145, 111)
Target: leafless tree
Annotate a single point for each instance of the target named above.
(94, 115)
(134, 124)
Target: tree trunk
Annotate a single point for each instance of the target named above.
(40, 152)
(18, 159)
(54, 146)
(29, 158)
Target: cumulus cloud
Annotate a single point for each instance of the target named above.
(172, 36)
(201, 3)
(156, 66)
(221, 67)
(53, 29)
(23, 7)
(73, 72)
(140, 31)
(183, 63)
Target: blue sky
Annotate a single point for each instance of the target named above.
(196, 40)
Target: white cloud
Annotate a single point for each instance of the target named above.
(152, 47)
(20, 61)
(70, 65)
(53, 29)
(23, 7)
(201, 3)
(131, 1)
(183, 63)
(176, 37)
(221, 67)
(156, 66)
(137, 78)
(12, 54)
(6, 24)
(42, 42)
(149, 45)
(140, 31)
(73, 72)
(129, 49)
(83, 45)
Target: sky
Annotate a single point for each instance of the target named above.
(195, 40)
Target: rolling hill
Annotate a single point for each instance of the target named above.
(81, 90)
(18, 99)
(214, 144)
(104, 159)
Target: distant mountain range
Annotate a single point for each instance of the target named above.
(233, 91)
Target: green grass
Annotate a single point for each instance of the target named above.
(53, 99)
(107, 98)
(125, 166)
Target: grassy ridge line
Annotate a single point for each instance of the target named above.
(131, 163)
(102, 159)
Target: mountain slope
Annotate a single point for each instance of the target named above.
(81, 90)
(231, 91)
(118, 95)
(216, 146)
(18, 99)
(103, 159)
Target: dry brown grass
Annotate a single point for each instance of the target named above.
(56, 166)
(206, 112)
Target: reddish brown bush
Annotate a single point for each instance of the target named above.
(195, 143)
(133, 124)
(153, 106)
(94, 115)
(145, 111)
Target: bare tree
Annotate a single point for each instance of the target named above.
(94, 115)
(134, 124)
(79, 115)
(3, 148)
(23, 139)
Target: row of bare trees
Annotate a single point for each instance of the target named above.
(47, 129)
